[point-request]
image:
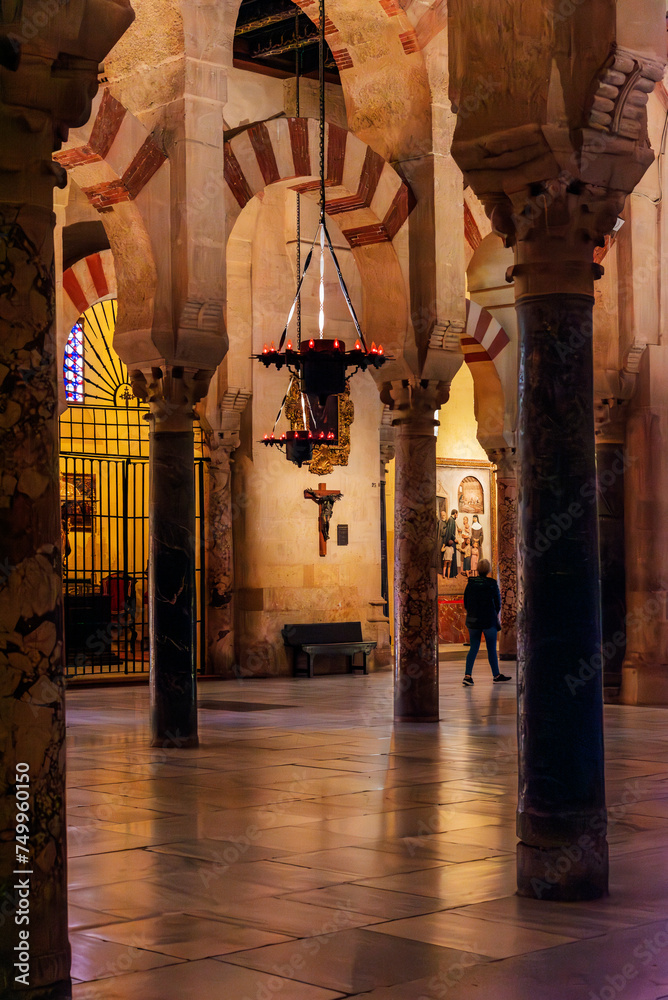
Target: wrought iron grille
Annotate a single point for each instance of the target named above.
(104, 484)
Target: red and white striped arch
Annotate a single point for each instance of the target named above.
(484, 337)
(89, 281)
(365, 193)
(113, 157)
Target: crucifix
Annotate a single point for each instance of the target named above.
(325, 500)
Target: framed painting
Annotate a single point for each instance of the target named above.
(77, 501)
(465, 521)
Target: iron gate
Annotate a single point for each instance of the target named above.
(104, 514)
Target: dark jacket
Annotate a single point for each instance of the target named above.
(482, 601)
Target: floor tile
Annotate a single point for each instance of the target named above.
(203, 980)
(287, 915)
(349, 961)
(95, 959)
(222, 852)
(360, 861)
(385, 904)
(387, 851)
(453, 929)
(183, 935)
(457, 884)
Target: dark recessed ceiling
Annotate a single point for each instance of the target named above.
(82, 239)
(270, 34)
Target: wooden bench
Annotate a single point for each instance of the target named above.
(321, 639)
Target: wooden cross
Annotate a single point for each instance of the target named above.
(325, 500)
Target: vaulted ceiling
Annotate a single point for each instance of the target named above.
(271, 35)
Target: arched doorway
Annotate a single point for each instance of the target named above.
(104, 490)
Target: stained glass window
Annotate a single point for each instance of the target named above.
(73, 365)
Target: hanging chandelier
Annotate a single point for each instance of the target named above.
(320, 364)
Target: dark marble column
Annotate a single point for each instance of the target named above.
(561, 816)
(507, 549)
(46, 84)
(33, 691)
(415, 553)
(172, 596)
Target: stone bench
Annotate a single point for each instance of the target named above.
(323, 639)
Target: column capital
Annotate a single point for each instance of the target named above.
(171, 393)
(415, 401)
(387, 445)
(505, 460)
(555, 183)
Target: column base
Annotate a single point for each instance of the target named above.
(170, 743)
(644, 685)
(417, 718)
(571, 873)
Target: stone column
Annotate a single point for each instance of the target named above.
(561, 816)
(415, 405)
(41, 94)
(506, 464)
(171, 578)
(645, 667)
(220, 550)
(553, 164)
(387, 453)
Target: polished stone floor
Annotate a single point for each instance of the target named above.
(309, 850)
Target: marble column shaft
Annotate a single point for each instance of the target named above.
(172, 603)
(507, 549)
(220, 563)
(645, 667)
(32, 733)
(48, 90)
(561, 816)
(415, 560)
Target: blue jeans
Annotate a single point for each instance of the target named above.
(475, 635)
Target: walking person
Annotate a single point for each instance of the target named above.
(482, 601)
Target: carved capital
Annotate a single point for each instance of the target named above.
(505, 460)
(565, 175)
(414, 403)
(555, 227)
(171, 394)
(387, 445)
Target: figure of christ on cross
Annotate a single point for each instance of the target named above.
(325, 500)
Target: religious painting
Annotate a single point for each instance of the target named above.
(470, 496)
(77, 501)
(466, 527)
(324, 420)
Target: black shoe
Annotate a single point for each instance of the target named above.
(502, 677)
(468, 681)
